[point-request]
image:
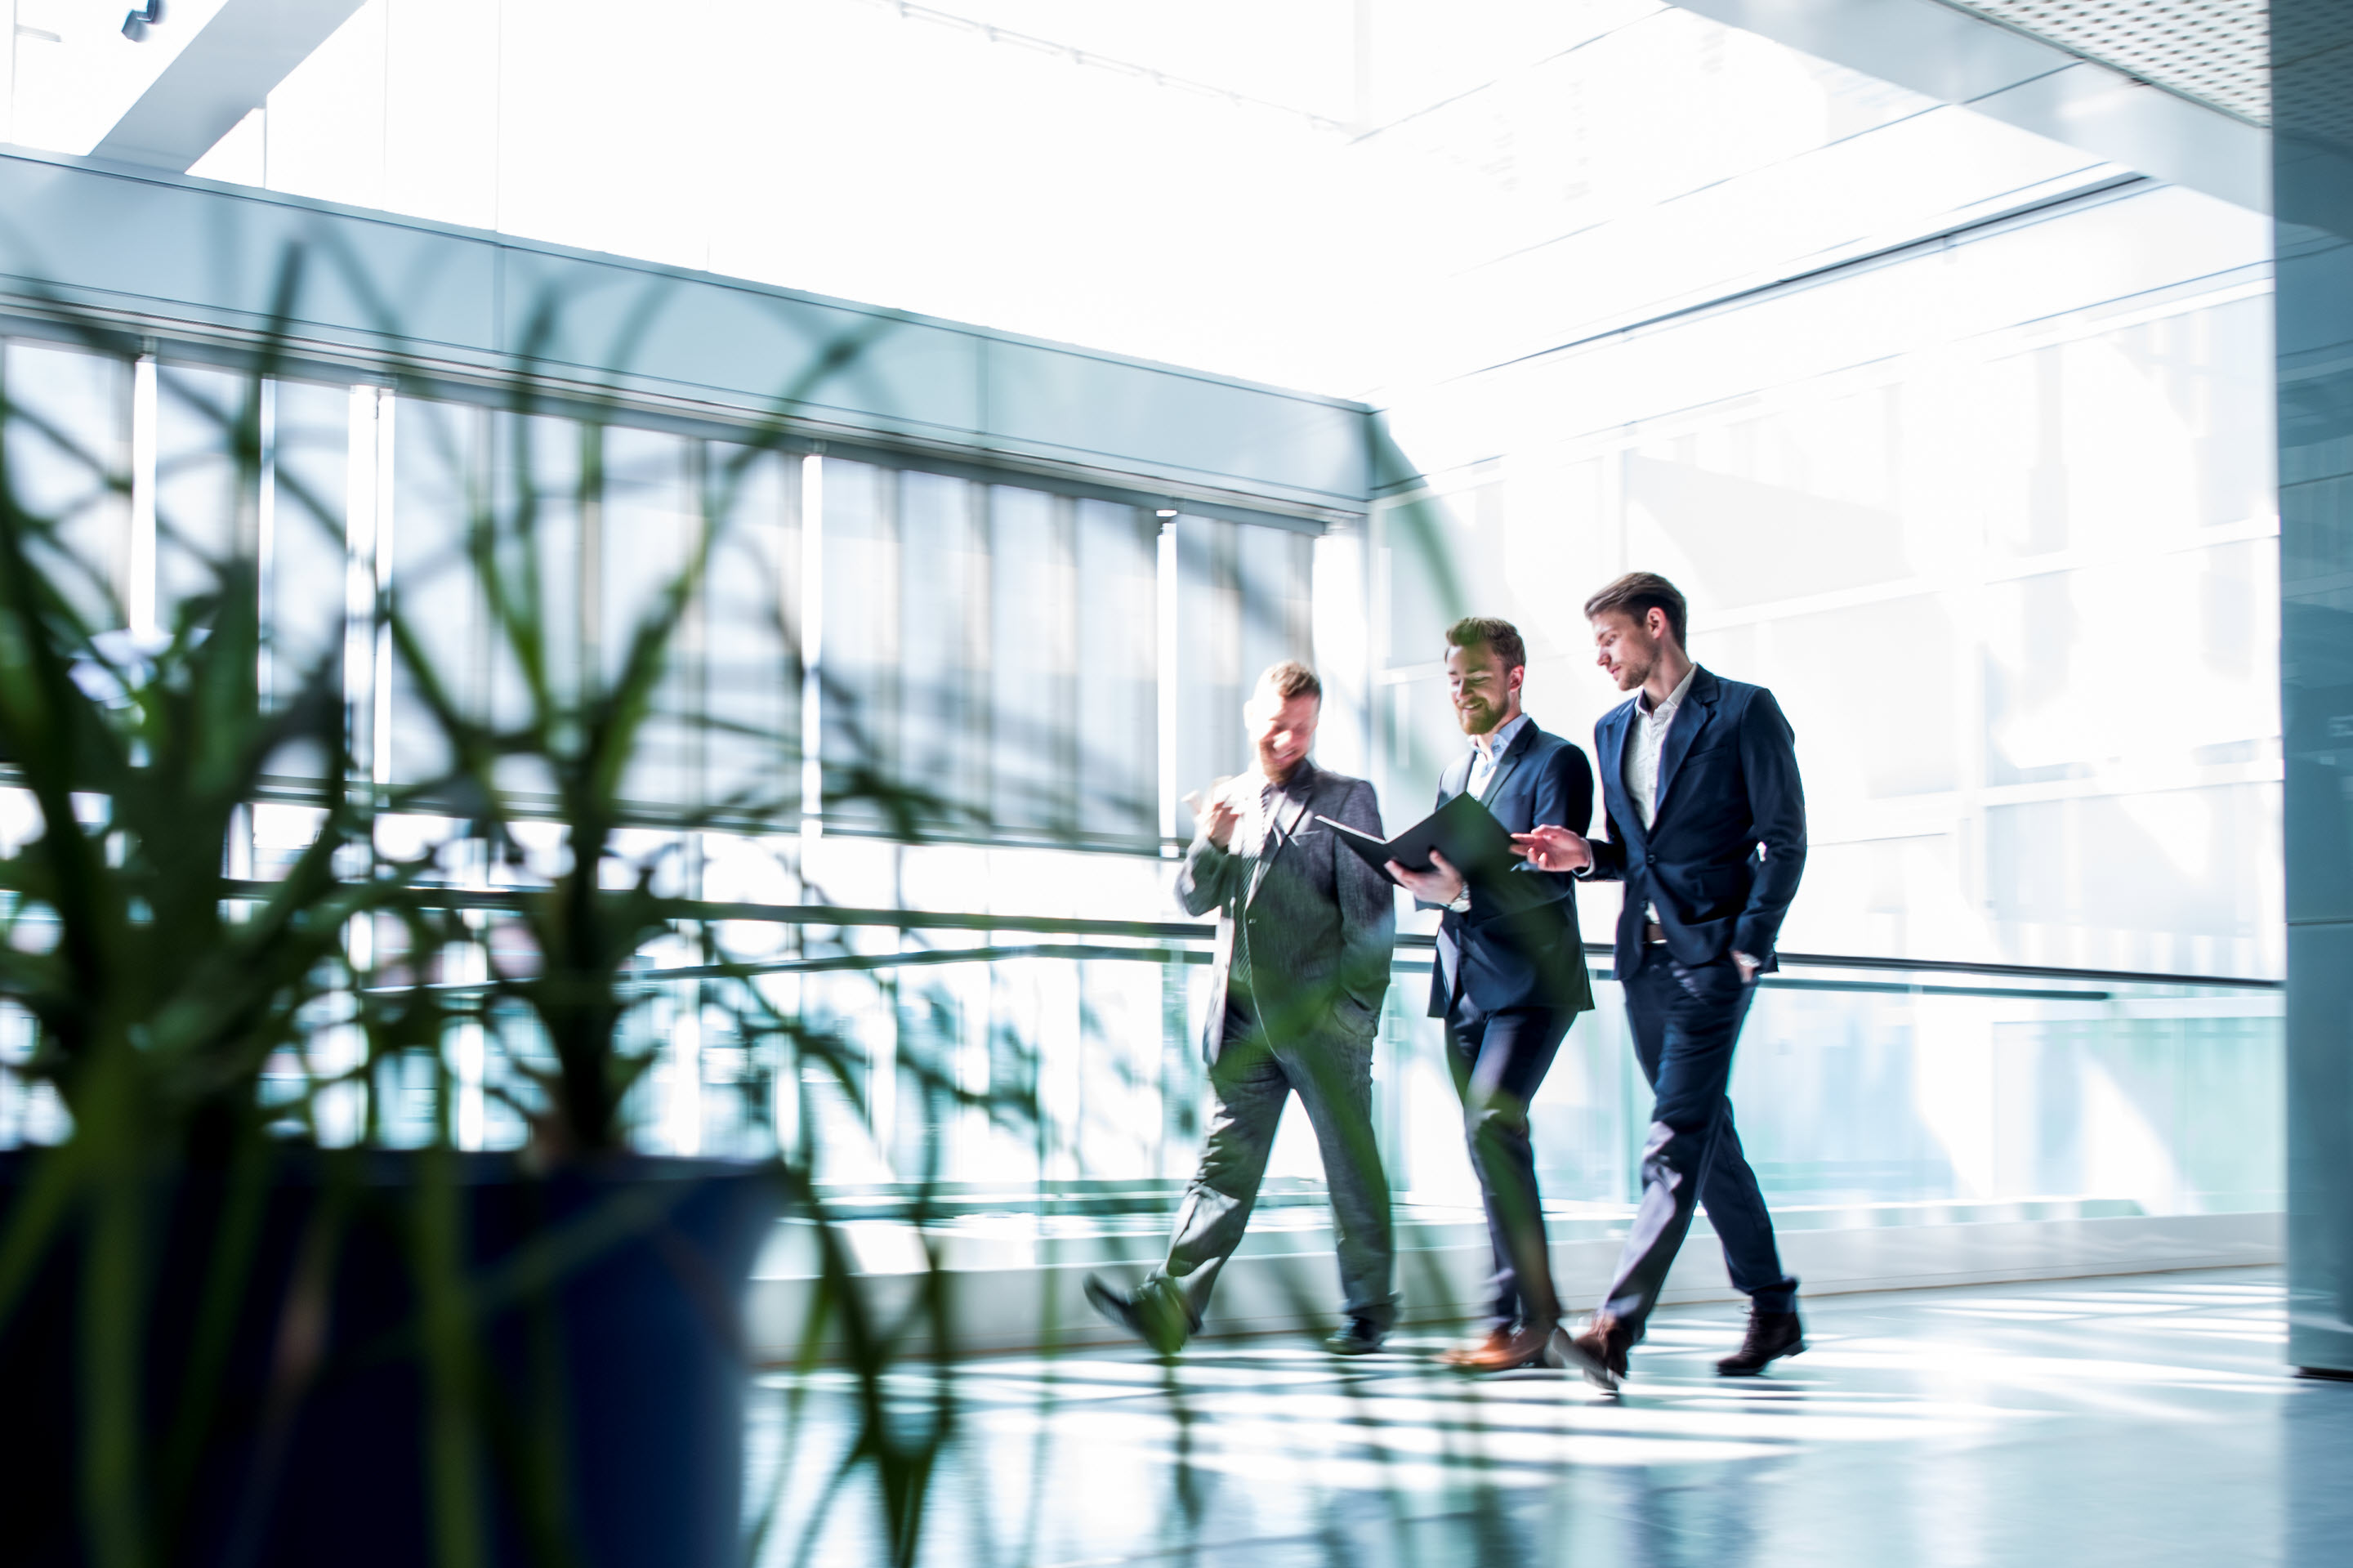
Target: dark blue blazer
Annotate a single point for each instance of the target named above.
(1722, 855)
(1519, 945)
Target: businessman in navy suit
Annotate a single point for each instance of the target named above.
(1511, 974)
(1707, 830)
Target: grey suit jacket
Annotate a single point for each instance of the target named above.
(1321, 922)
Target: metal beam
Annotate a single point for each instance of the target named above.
(227, 71)
(1999, 71)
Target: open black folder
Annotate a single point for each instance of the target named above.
(1462, 829)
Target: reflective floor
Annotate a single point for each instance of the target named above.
(2140, 1420)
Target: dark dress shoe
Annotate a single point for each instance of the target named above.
(1147, 1314)
(1597, 1350)
(1503, 1350)
(1358, 1337)
(1771, 1335)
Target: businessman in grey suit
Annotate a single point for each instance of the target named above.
(1305, 932)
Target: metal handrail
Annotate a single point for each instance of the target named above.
(837, 915)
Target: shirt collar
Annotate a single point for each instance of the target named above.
(1297, 781)
(1675, 699)
(1499, 739)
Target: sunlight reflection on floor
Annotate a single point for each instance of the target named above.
(2017, 1423)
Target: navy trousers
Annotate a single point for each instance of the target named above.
(1499, 1061)
(1686, 1019)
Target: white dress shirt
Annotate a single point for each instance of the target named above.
(1486, 751)
(1256, 802)
(1646, 739)
(1487, 754)
(1648, 736)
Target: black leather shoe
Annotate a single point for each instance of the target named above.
(1597, 1350)
(1771, 1335)
(1149, 1315)
(1358, 1337)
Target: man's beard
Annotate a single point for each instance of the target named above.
(1481, 720)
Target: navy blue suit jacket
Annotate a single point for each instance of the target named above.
(1727, 844)
(1519, 945)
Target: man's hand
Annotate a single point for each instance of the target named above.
(1553, 848)
(1442, 884)
(1747, 965)
(1211, 813)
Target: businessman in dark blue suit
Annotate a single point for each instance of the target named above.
(1707, 830)
(1511, 974)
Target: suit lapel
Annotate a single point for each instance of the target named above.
(1288, 812)
(1698, 709)
(1514, 755)
(1611, 738)
(1455, 780)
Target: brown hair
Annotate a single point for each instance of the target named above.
(1636, 595)
(1291, 679)
(1500, 637)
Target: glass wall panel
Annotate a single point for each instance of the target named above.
(68, 451)
(942, 662)
(1272, 568)
(858, 666)
(1208, 656)
(438, 466)
(305, 524)
(751, 604)
(1243, 603)
(1117, 720)
(2005, 557)
(1034, 595)
(206, 509)
(550, 475)
(649, 526)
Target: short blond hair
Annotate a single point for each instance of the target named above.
(1290, 679)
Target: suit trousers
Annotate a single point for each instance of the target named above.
(1251, 1079)
(1686, 1019)
(1499, 1059)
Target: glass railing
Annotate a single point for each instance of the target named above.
(989, 1064)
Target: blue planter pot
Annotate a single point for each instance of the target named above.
(599, 1398)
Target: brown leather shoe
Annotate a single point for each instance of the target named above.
(1771, 1335)
(1597, 1350)
(1503, 1350)
(1467, 1355)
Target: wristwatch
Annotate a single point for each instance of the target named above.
(1461, 902)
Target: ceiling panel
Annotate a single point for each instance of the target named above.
(2217, 51)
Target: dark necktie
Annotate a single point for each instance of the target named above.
(1270, 802)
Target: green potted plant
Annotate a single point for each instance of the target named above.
(245, 1340)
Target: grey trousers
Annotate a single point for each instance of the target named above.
(1253, 1078)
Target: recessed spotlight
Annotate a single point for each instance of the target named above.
(1165, 511)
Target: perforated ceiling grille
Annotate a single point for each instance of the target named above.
(2217, 51)
(2316, 68)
